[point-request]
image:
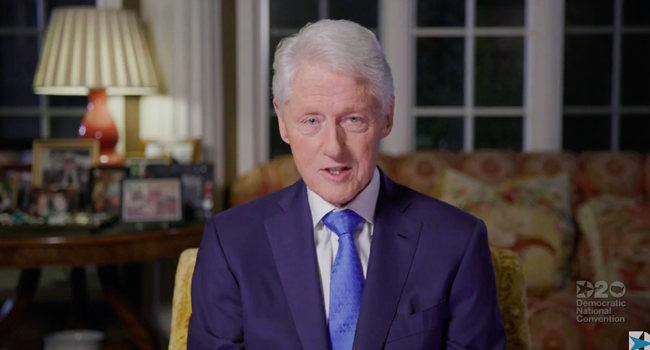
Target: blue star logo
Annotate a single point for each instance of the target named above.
(638, 343)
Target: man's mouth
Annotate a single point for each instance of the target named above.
(337, 171)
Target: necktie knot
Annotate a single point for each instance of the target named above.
(342, 222)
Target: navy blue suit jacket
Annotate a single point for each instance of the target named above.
(429, 285)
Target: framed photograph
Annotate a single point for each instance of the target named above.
(106, 189)
(55, 207)
(197, 182)
(8, 193)
(64, 164)
(157, 200)
(40, 203)
(186, 151)
(21, 176)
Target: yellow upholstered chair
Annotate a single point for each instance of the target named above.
(181, 304)
(510, 286)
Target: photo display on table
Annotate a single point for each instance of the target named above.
(64, 166)
(22, 179)
(106, 189)
(197, 181)
(8, 193)
(151, 200)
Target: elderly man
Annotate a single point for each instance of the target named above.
(344, 258)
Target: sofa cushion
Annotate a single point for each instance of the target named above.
(492, 167)
(530, 216)
(421, 171)
(548, 164)
(249, 186)
(555, 324)
(615, 245)
(615, 173)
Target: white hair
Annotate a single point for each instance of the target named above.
(339, 45)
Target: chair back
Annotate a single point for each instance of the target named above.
(510, 290)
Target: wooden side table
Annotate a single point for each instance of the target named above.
(30, 250)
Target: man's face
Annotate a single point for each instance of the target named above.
(333, 127)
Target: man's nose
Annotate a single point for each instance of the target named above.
(334, 140)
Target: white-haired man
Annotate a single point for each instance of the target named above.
(344, 258)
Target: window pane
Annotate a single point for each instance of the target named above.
(52, 4)
(278, 146)
(364, 12)
(293, 13)
(590, 12)
(499, 72)
(498, 133)
(587, 70)
(65, 127)
(17, 13)
(636, 12)
(504, 13)
(68, 101)
(441, 13)
(634, 133)
(18, 59)
(20, 128)
(586, 133)
(440, 72)
(635, 88)
(439, 133)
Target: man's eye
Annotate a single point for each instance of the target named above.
(311, 121)
(353, 119)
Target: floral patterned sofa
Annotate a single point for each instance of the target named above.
(569, 217)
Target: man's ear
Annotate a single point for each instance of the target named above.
(281, 124)
(388, 118)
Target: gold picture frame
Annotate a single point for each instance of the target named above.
(174, 149)
(70, 145)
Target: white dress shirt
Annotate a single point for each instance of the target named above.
(327, 242)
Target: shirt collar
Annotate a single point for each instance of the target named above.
(364, 204)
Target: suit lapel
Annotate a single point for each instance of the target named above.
(291, 236)
(393, 245)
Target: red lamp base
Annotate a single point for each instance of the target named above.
(98, 124)
(110, 158)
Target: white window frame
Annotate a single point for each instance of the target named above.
(614, 110)
(543, 55)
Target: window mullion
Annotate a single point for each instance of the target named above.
(43, 100)
(396, 31)
(323, 9)
(616, 75)
(470, 20)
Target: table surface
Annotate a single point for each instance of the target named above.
(121, 243)
(43, 232)
(32, 248)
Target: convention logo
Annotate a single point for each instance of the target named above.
(585, 289)
(598, 302)
(639, 340)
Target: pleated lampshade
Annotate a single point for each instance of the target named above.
(96, 52)
(88, 48)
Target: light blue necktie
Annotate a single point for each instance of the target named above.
(346, 283)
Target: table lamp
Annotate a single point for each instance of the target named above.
(96, 52)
